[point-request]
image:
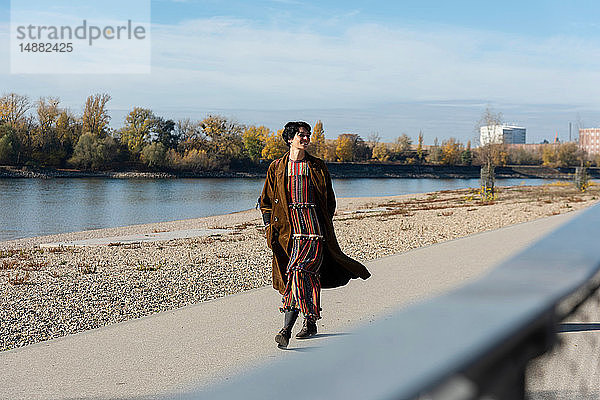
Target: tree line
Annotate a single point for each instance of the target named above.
(42, 133)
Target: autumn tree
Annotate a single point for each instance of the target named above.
(435, 152)
(451, 151)
(136, 131)
(330, 146)
(373, 139)
(223, 139)
(275, 147)
(317, 141)
(521, 156)
(491, 154)
(95, 115)
(68, 130)
(254, 138)
(381, 152)
(190, 135)
(402, 144)
(47, 113)
(13, 109)
(344, 149)
(569, 155)
(351, 147)
(549, 155)
(47, 148)
(420, 155)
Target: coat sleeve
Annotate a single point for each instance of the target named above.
(331, 203)
(266, 207)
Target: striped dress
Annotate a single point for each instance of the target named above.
(303, 288)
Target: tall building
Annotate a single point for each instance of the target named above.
(589, 140)
(501, 134)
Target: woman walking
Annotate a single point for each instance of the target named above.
(297, 204)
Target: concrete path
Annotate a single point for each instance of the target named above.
(173, 351)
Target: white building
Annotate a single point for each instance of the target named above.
(508, 134)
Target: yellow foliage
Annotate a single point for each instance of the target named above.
(344, 148)
(317, 141)
(275, 147)
(451, 151)
(381, 152)
(260, 133)
(549, 156)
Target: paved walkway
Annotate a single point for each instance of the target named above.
(209, 342)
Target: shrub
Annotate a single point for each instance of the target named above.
(154, 155)
(94, 152)
(8, 148)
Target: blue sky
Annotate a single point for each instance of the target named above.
(361, 67)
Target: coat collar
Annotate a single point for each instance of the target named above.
(283, 162)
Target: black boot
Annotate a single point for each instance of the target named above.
(284, 335)
(309, 329)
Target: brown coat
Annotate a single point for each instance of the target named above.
(337, 268)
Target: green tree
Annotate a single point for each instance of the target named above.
(9, 144)
(164, 132)
(466, 156)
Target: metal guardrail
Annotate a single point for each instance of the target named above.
(470, 343)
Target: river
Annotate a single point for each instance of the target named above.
(36, 207)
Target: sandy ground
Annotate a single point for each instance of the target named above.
(51, 292)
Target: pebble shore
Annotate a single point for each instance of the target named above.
(52, 292)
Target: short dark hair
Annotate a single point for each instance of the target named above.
(291, 129)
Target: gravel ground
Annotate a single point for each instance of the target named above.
(52, 292)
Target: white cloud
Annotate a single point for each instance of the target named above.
(370, 62)
(223, 63)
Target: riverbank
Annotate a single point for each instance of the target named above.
(337, 170)
(51, 292)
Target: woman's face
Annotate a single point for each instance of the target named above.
(301, 140)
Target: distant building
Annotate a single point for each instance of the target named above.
(501, 134)
(589, 140)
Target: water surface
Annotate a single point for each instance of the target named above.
(35, 207)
